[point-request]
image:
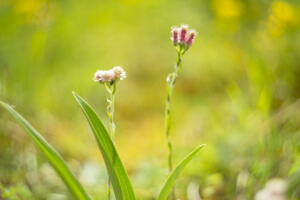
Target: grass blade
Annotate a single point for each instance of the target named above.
(119, 178)
(53, 157)
(168, 185)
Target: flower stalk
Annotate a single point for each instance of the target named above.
(111, 89)
(109, 79)
(182, 40)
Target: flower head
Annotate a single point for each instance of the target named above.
(112, 75)
(183, 37)
(119, 72)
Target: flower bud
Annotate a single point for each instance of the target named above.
(175, 34)
(183, 33)
(192, 35)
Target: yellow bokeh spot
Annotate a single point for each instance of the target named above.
(27, 7)
(281, 16)
(283, 12)
(227, 9)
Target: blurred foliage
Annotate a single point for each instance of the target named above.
(238, 92)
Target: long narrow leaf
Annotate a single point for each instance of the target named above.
(167, 187)
(118, 176)
(53, 157)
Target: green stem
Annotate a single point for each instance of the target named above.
(111, 88)
(171, 80)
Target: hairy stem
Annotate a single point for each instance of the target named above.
(171, 80)
(111, 88)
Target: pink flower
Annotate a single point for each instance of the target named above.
(183, 36)
(115, 74)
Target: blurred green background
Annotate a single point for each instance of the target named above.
(238, 93)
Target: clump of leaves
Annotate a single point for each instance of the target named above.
(120, 182)
(118, 178)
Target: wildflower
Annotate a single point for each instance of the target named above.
(112, 75)
(109, 78)
(182, 37)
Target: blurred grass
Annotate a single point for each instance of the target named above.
(238, 91)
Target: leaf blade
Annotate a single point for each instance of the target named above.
(169, 183)
(51, 154)
(118, 176)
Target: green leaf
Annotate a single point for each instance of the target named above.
(118, 176)
(168, 185)
(53, 157)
